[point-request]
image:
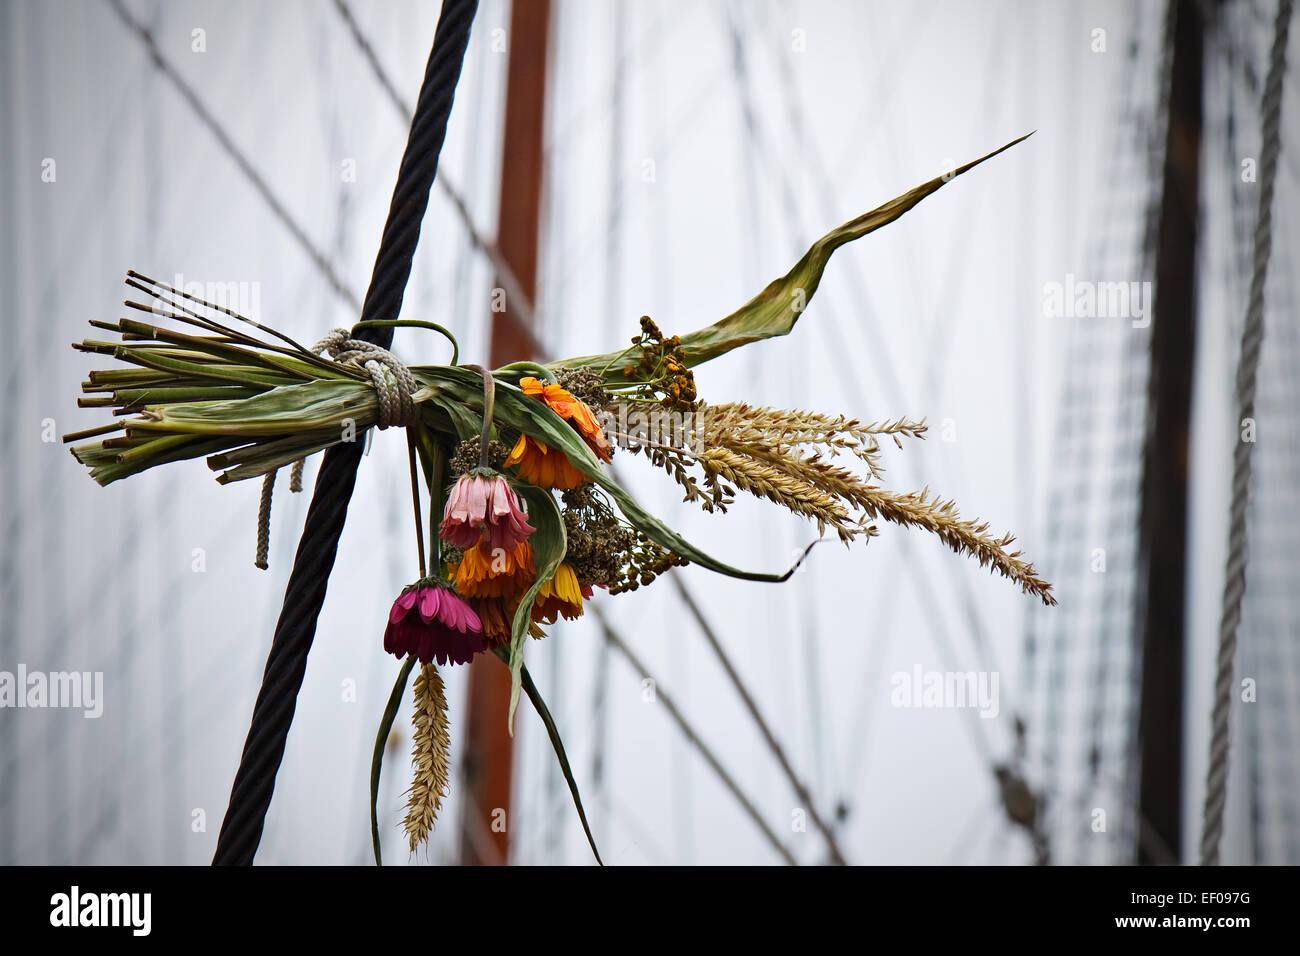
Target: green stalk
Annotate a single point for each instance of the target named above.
(514, 371)
(415, 503)
(489, 401)
(414, 324)
(242, 356)
(168, 395)
(437, 501)
(229, 373)
(381, 739)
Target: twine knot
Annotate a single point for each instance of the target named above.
(394, 384)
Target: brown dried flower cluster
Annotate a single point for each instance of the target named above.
(603, 551)
(585, 384)
(642, 564)
(466, 457)
(596, 542)
(661, 369)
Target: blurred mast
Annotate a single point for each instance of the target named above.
(1162, 521)
(488, 762)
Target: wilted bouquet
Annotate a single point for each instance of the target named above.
(525, 520)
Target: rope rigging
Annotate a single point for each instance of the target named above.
(1252, 339)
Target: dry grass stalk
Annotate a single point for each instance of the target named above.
(786, 457)
(762, 479)
(784, 430)
(963, 536)
(430, 754)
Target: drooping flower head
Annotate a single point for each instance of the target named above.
(484, 571)
(497, 615)
(482, 505)
(430, 620)
(561, 595)
(544, 466)
(548, 467)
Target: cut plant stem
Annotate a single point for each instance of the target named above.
(489, 400)
(415, 324)
(415, 504)
(436, 504)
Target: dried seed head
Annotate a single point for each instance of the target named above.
(597, 542)
(466, 457)
(788, 457)
(587, 385)
(430, 754)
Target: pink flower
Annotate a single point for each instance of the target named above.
(482, 503)
(431, 621)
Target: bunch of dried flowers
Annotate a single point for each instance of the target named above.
(526, 521)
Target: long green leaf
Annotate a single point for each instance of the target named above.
(549, 543)
(381, 740)
(775, 310)
(539, 704)
(466, 423)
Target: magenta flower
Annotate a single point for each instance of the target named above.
(482, 503)
(430, 621)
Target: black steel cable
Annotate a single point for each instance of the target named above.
(250, 795)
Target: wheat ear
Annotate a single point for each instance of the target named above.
(430, 750)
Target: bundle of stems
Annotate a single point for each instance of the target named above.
(250, 404)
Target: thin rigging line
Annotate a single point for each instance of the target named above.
(769, 738)
(573, 257)
(47, 302)
(642, 838)
(1117, 521)
(826, 773)
(752, 226)
(689, 732)
(317, 257)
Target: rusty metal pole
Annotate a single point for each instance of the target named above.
(488, 761)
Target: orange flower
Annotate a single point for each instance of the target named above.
(572, 410)
(494, 572)
(561, 595)
(497, 615)
(544, 466)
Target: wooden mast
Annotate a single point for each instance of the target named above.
(487, 766)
